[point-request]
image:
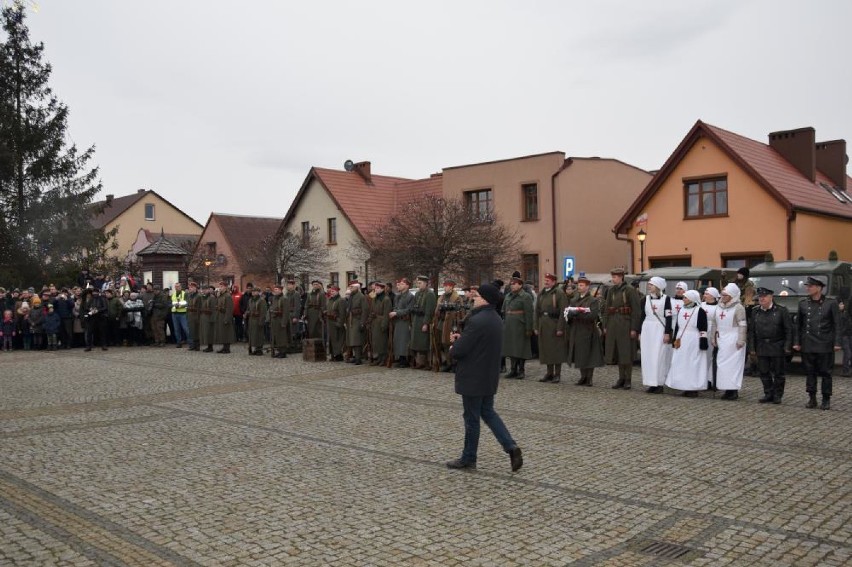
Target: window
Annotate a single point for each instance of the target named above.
(332, 231)
(306, 233)
(706, 197)
(351, 277)
(737, 261)
(334, 279)
(530, 195)
(479, 203)
(211, 249)
(530, 269)
(149, 211)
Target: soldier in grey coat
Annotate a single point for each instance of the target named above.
(584, 339)
(550, 328)
(224, 319)
(621, 319)
(422, 313)
(817, 337)
(518, 327)
(335, 316)
(207, 318)
(356, 321)
(401, 320)
(279, 323)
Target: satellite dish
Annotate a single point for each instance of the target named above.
(349, 165)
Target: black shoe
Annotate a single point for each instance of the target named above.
(179, 345)
(103, 348)
(733, 395)
(618, 385)
(460, 464)
(89, 349)
(546, 378)
(812, 403)
(357, 362)
(826, 403)
(512, 374)
(766, 399)
(691, 394)
(208, 349)
(516, 458)
(556, 380)
(776, 400)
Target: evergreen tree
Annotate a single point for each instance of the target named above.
(46, 187)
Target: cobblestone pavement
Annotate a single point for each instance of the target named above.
(165, 457)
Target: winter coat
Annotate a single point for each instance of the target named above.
(818, 325)
(37, 320)
(52, 322)
(584, 337)
(771, 331)
(477, 353)
(64, 308)
(518, 312)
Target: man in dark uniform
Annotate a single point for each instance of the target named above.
(279, 323)
(517, 327)
(294, 305)
(207, 320)
(770, 337)
(401, 318)
(315, 306)
(446, 320)
(550, 328)
(356, 321)
(193, 315)
(817, 337)
(255, 317)
(422, 313)
(477, 352)
(380, 308)
(224, 319)
(335, 316)
(621, 324)
(584, 340)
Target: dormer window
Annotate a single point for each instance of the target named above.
(149, 211)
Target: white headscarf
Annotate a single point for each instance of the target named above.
(681, 285)
(659, 283)
(714, 292)
(733, 290)
(693, 296)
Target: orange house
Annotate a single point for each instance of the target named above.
(722, 199)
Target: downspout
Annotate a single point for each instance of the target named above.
(565, 164)
(791, 216)
(630, 240)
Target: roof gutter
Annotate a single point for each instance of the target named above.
(629, 240)
(565, 164)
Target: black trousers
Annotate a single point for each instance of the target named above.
(772, 374)
(818, 364)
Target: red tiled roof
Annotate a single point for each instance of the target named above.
(244, 233)
(112, 210)
(368, 205)
(771, 170)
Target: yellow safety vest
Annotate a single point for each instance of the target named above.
(177, 298)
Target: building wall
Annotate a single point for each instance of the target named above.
(591, 196)
(231, 269)
(756, 222)
(815, 235)
(505, 179)
(316, 206)
(166, 218)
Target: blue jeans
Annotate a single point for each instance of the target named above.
(476, 407)
(181, 327)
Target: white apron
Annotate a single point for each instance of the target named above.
(656, 356)
(711, 320)
(730, 361)
(689, 370)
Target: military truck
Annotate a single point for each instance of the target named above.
(787, 279)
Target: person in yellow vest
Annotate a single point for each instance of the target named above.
(179, 322)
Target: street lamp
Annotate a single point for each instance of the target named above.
(641, 237)
(207, 263)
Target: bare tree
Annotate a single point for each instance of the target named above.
(442, 237)
(287, 253)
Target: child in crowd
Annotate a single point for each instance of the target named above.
(23, 326)
(8, 329)
(37, 322)
(52, 322)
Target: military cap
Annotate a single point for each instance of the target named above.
(815, 280)
(516, 280)
(316, 281)
(354, 282)
(423, 278)
(550, 277)
(380, 284)
(449, 282)
(616, 272)
(333, 287)
(193, 284)
(764, 291)
(291, 280)
(276, 286)
(583, 278)
(406, 281)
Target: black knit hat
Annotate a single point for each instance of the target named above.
(489, 293)
(745, 272)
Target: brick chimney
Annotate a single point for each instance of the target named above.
(798, 147)
(140, 190)
(831, 159)
(362, 168)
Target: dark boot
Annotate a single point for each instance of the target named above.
(514, 372)
(826, 402)
(768, 396)
(812, 403)
(208, 349)
(557, 373)
(590, 372)
(402, 363)
(779, 390)
(521, 363)
(502, 365)
(549, 375)
(731, 395)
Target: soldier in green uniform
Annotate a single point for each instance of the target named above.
(279, 322)
(380, 308)
(315, 306)
(294, 305)
(224, 319)
(356, 321)
(422, 312)
(207, 320)
(255, 318)
(401, 317)
(335, 316)
(550, 328)
(621, 324)
(193, 315)
(447, 316)
(517, 327)
(584, 338)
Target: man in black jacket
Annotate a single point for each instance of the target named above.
(770, 337)
(818, 338)
(477, 355)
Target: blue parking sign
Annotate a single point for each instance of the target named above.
(569, 266)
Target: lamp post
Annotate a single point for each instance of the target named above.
(207, 263)
(641, 237)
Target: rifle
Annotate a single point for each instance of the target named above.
(391, 326)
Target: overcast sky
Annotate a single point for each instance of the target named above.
(224, 105)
